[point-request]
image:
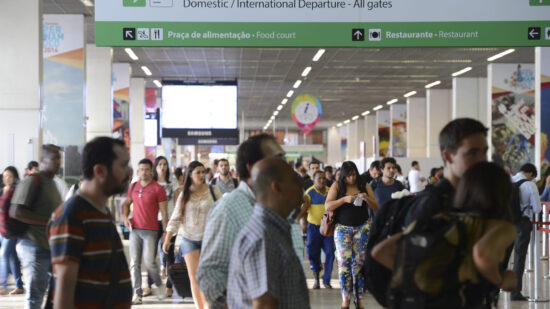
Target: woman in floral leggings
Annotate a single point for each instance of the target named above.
(348, 198)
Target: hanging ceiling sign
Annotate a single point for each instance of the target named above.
(322, 23)
(306, 112)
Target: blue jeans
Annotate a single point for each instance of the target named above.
(36, 264)
(316, 242)
(9, 262)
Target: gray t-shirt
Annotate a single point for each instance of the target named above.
(46, 201)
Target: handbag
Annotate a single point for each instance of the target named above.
(328, 224)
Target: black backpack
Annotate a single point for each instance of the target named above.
(427, 262)
(235, 182)
(389, 220)
(515, 201)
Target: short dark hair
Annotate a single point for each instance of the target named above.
(529, 168)
(31, 165)
(375, 165)
(146, 161)
(223, 160)
(298, 164)
(318, 172)
(328, 168)
(49, 149)
(250, 152)
(313, 162)
(387, 160)
(414, 163)
(454, 132)
(485, 187)
(216, 161)
(178, 172)
(100, 150)
(398, 167)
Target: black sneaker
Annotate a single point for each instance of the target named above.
(327, 285)
(518, 297)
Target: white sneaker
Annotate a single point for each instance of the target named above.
(136, 300)
(160, 292)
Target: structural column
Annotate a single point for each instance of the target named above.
(469, 98)
(438, 112)
(353, 141)
(99, 95)
(416, 121)
(137, 120)
(333, 145)
(371, 136)
(20, 82)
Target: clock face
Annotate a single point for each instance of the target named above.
(306, 112)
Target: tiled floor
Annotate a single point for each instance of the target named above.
(319, 299)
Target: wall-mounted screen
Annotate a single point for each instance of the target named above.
(199, 107)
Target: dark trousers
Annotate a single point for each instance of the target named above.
(521, 245)
(316, 242)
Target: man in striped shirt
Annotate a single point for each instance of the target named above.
(87, 254)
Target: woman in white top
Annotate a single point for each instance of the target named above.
(191, 210)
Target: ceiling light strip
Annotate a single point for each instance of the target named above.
(318, 55)
(378, 107)
(146, 70)
(409, 94)
(428, 86)
(457, 73)
(500, 55)
(306, 71)
(131, 53)
(390, 102)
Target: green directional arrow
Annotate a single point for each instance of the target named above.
(134, 3)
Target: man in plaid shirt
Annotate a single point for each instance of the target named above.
(264, 271)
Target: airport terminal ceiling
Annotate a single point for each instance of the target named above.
(347, 81)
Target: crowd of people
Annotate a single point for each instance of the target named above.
(244, 237)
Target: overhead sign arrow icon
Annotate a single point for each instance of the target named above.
(129, 34)
(358, 35)
(534, 33)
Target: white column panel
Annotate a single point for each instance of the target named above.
(371, 131)
(469, 98)
(333, 146)
(137, 120)
(353, 142)
(21, 82)
(416, 123)
(99, 94)
(438, 113)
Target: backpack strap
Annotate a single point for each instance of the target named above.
(38, 183)
(212, 192)
(235, 182)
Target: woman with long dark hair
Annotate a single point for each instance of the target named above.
(350, 199)
(8, 257)
(191, 210)
(484, 195)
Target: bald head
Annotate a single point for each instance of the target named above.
(276, 185)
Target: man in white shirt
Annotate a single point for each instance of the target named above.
(416, 180)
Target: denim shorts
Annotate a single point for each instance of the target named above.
(188, 245)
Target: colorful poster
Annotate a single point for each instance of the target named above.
(545, 109)
(63, 80)
(513, 114)
(150, 100)
(343, 149)
(121, 102)
(384, 124)
(399, 130)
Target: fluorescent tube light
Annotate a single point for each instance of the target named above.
(297, 84)
(306, 71)
(87, 3)
(279, 107)
(390, 102)
(428, 86)
(275, 113)
(355, 117)
(378, 107)
(365, 113)
(347, 121)
(462, 71)
(284, 101)
(131, 54)
(409, 94)
(318, 55)
(146, 70)
(339, 125)
(500, 55)
(157, 83)
(290, 93)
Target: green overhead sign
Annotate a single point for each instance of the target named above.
(322, 23)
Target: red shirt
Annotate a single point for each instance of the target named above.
(146, 204)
